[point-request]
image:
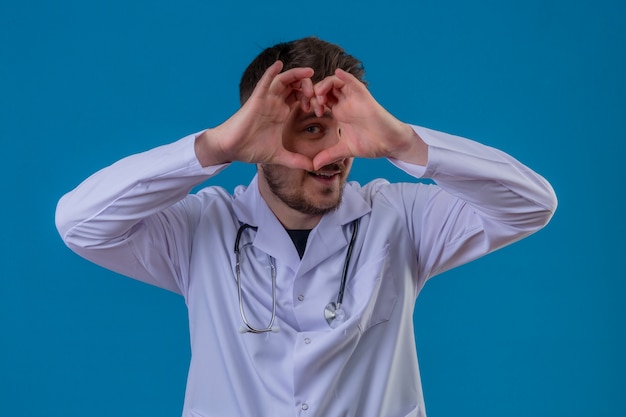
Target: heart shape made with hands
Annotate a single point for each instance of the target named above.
(254, 134)
(323, 99)
(365, 128)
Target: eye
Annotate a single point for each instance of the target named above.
(313, 129)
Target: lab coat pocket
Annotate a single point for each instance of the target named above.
(373, 293)
(414, 412)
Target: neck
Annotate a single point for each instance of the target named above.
(290, 218)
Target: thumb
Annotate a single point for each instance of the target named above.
(293, 160)
(330, 155)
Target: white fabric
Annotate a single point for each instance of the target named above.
(137, 217)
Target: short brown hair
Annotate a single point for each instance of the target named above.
(324, 57)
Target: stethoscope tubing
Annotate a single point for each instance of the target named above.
(248, 327)
(330, 314)
(346, 265)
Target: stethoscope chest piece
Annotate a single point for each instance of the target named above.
(334, 314)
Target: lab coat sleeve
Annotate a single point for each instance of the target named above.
(136, 217)
(483, 200)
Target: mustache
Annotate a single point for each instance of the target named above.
(333, 167)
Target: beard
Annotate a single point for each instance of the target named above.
(285, 185)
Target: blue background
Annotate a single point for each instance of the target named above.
(536, 329)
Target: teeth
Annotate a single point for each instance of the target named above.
(324, 174)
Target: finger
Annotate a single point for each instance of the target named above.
(268, 76)
(306, 87)
(305, 103)
(305, 94)
(351, 84)
(333, 97)
(298, 93)
(346, 77)
(323, 87)
(293, 160)
(327, 84)
(317, 107)
(284, 82)
(330, 155)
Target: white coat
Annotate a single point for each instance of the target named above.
(137, 217)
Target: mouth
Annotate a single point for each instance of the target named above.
(328, 173)
(325, 176)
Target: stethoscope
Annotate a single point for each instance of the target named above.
(333, 312)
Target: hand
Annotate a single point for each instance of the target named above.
(254, 133)
(366, 129)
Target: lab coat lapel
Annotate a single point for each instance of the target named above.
(330, 234)
(270, 237)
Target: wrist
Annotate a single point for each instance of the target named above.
(415, 150)
(207, 149)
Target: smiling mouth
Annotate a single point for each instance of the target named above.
(324, 174)
(328, 173)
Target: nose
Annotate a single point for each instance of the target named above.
(332, 136)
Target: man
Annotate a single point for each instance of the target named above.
(300, 287)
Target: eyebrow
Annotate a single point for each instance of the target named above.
(308, 116)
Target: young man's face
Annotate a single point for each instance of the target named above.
(307, 192)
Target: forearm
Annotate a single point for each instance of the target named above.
(107, 204)
(484, 200)
(485, 177)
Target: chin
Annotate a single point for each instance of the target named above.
(327, 203)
